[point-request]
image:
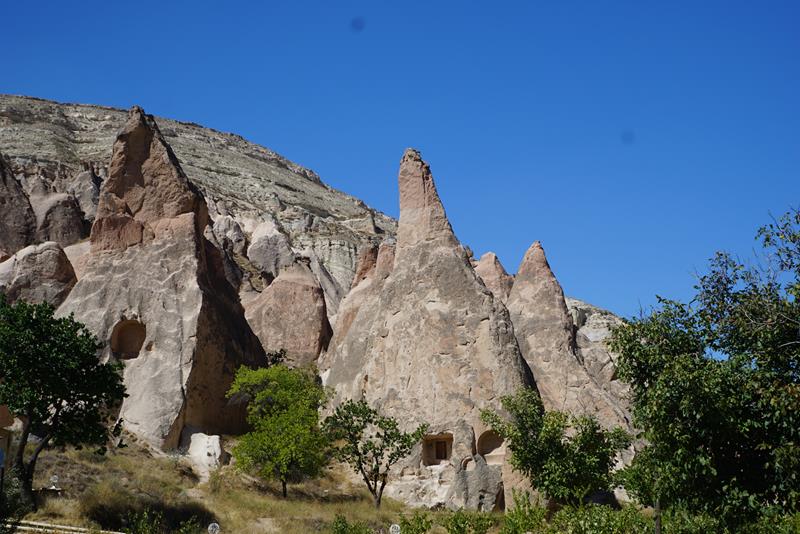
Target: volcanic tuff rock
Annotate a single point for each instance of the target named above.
(545, 331)
(65, 149)
(290, 314)
(17, 220)
(38, 273)
(428, 343)
(153, 287)
(494, 276)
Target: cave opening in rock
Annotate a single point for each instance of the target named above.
(127, 339)
(491, 447)
(436, 449)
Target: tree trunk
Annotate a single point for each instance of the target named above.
(658, 515)
(283, 485)
(24, 473)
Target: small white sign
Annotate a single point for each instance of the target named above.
(394, 529)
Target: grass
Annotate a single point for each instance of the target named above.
(103, 491)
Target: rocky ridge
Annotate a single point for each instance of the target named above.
(200, 241)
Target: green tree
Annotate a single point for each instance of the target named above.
(369, 442)
(286, 442)
(716, 386)
(567, 458)
(51, 378)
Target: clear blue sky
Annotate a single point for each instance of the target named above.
(632, 138)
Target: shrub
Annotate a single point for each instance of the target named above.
(419, 523)
(595, 519)
(461, 522)
(113, 507)
(524, 516)
(341, 526)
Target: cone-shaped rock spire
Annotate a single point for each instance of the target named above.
(153, 289)
(422, 216)
(494, 275)
(145, 184)
(422, 339)
(545, 332)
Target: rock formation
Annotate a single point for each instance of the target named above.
(38, 273)
(545, 331)
(17, 220)
(290, 314)
(64, 149)
(427, 343)
(494, 276)
(154, 290)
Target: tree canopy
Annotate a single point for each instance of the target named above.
(716, 386)
(286, 442)
(565, 457)
(369, 442)
(51, 378)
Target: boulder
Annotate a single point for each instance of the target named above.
(17, 220)
(204, 452)
(494, 276)
(153, 289)
(38, 273)
(545, 331)
(290, 314)
(425, 342)
(269, 249)
(58, 218)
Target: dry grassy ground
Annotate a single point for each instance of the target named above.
(100, 491)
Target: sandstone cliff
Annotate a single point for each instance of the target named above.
(153, 288)
(424, 341)
(60, 154)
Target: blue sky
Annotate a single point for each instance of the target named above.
(632, 138)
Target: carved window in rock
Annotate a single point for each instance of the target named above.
(127, 339)
(492, 448)
(437, 449)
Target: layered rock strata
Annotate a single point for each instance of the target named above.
(153, 289)
(425, 342)
(60, 152)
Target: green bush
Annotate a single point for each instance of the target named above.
(153, 522)
(341, 526)
(114, 507)
(524, 516)
(419, 523)
(461, 522)
(595, 519)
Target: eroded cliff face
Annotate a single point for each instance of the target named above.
(153, 288)
(422, 339)
(204, 250)
(60, 153)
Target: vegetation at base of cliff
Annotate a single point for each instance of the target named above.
(716, 388)
(567, 458)
(369, 442)
(286, 442)
(51, 379)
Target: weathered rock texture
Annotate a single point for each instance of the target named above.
(154, 289)
(60, 152)
(546, 334)
(494, 276)
(290, 315)
(38, 273)
(424, 341)
(17, 220)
